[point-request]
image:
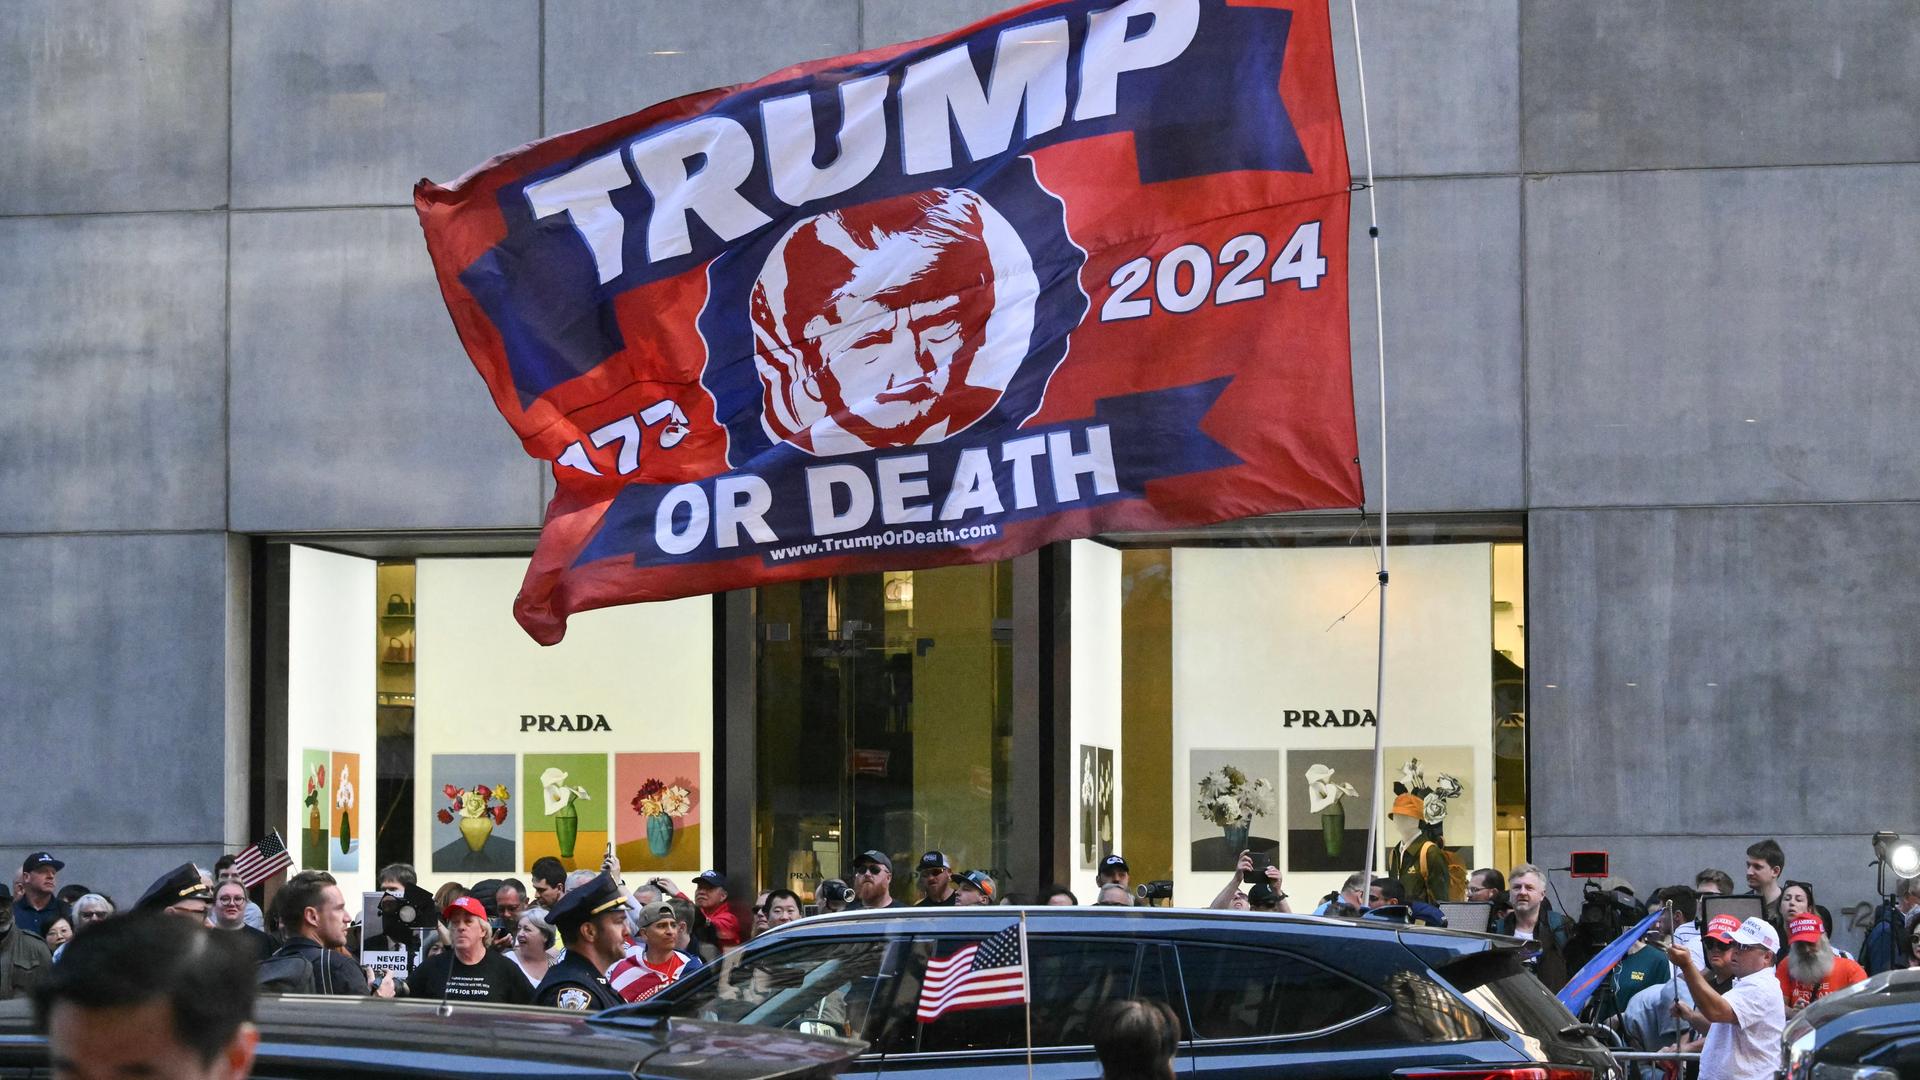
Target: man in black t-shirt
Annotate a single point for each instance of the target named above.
(470, 971)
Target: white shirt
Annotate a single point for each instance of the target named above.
(1748, 1048)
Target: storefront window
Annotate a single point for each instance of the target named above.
(1236, 701)
(884, 723)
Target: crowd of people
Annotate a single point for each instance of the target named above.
(1724, 985)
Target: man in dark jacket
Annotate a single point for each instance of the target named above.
(1532, 919)
(24, 957)
(593, 921)
(314, 914)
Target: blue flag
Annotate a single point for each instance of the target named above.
(1579, 989)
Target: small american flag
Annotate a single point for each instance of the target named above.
(994, 972)
(262, 860)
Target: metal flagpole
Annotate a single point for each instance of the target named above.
(1026, 988)
(1380, 343)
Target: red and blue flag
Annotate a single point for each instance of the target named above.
(1077, 268)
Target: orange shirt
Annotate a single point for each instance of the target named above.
(1799, 995)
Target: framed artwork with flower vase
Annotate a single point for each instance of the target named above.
(565, 814)
(1327, 797)
(343, 851)
(1234, 805)
(1089, 787)
(657, 811)
(1443, 779)
(475, 810)
(316, 808)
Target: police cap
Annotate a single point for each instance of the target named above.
(180, 883)
(596, 897)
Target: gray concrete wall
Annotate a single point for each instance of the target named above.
(1650, 279)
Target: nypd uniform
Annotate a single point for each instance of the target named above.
(182, 883)
(573, 982)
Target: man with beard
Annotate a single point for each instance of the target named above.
(1811, 971)
(1745, 1022)
(872, 881)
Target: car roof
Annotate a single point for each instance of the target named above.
(1167, 922)
(341, 1031)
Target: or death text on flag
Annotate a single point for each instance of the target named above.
(993, 972)
(263, 860)
(1075, 269)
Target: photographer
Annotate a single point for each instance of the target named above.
(1269, 875)
(470, 971)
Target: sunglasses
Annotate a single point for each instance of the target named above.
(92, 916)
(868, 870)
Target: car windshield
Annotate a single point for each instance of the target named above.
(823, 987)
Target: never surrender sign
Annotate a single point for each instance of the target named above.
(1075, 269)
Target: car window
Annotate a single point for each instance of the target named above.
(1235, 993)
(1070, 980)
(827, 987)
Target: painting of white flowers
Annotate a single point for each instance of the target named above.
(1235, 805)
(1088, 783)
(1327, 796)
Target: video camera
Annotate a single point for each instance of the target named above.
(1154, 890)
(1605, 914)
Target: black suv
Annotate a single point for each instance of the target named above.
(1257, 994)
(1869, 1031)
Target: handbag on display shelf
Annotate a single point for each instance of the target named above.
(397, 605)
(396, 652)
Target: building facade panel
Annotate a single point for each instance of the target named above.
(1729, 671)
(350, 103)
(113, 106)
(1450, 262)
(1649, 84)
(884, 22)
(1723, 336)
(353, 404)
(114, 354)
(1443, 85)
(608, 58)
(115, 677)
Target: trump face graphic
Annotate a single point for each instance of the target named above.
(894, 323)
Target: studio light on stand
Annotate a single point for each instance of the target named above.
(1896, 859)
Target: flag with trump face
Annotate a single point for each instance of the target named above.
(1078, 268)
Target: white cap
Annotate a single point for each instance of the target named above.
(1757, 932)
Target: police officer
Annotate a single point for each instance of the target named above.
(180, 891)
(592, 919)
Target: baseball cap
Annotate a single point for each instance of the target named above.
(976, 880)
(1721, 927)
(1805, 928)
(467, 904)
(1114, 862)
(1262, 893)
(935, 860)
(713, 879)
(1758, 932)
(1407, 806)
(877, 858)
(1617, 884)
(656, 911)
(42, 858)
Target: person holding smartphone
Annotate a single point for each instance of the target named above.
(1254, 870)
